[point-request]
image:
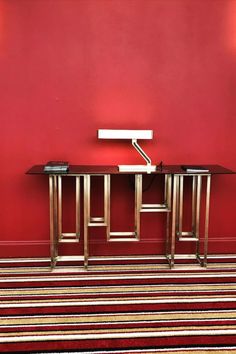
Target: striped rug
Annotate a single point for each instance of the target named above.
(119, 308)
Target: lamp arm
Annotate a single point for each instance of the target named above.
(140, 151)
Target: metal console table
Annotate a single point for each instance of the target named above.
(172, 205)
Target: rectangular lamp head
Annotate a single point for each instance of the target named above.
(124, 134)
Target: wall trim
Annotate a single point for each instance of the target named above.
(41, 248)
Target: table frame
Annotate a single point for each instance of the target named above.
(177, 215)
(172, 206)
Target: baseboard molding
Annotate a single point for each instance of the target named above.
(24, 249)
(217, 245)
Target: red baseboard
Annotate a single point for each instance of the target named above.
(38, 249)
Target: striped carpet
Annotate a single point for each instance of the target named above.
(117, 308)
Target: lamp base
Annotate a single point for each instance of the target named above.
(137, 168)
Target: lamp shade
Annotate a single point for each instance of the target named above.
(124, 134)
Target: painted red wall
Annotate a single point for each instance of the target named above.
(69, 67)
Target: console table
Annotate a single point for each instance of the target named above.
(172, 205)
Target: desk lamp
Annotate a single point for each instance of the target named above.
(132, 135)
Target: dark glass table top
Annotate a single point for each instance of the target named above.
(106, 169)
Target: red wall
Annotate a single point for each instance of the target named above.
(69, 67)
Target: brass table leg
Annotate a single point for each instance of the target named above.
(86, 217)
(77, 210)
(197, 219)
(138, 204)
(173, 231)
(168, 199)
(53, 205)
(177, 215)
(208, 188)
(107, 204)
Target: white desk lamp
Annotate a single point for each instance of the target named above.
(133, 135)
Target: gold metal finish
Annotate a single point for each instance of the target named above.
(167, 196)
(194, 191)
(155, 208)
(180, 207)
(198, 207)
(208, 191)
(170, 203)
(55, 204)
(52, 228)
(59, 179)
(126, 236)
(138, 204)
(86, 217)
(107, 204)
(67, 237)
(77, 208)
(98, 220)
(95, 221)
(173, 231)
(121, 236)
(177, 215)
(55, 216)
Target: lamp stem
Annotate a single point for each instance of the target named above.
(141, 152)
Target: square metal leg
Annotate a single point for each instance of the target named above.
(177, 215)
(53, 205)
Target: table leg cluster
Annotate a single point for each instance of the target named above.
(172, 205)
